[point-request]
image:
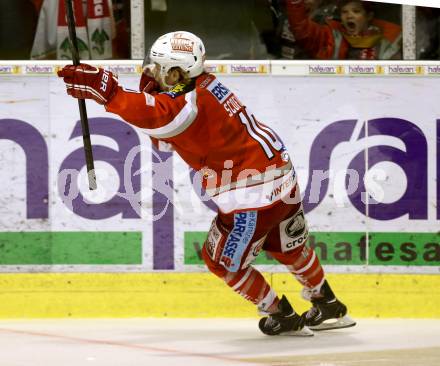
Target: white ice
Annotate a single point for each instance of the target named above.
(194, 342)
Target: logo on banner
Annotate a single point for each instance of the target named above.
(365, 70)
(98, 7)
(412, 159)
(405, 70)
(65, 47)
(99, 37)
(216, 69)
(326, 70)
(433, 70)
(249, 69)
(7, 69)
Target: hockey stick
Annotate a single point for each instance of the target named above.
(81, 102)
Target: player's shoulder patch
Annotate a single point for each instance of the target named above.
(179, 89)
(219, 91)
(206, 79)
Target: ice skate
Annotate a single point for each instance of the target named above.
(284, 322)
(327, 312)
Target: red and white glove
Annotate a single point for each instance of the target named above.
(148, 84)
(89, 82)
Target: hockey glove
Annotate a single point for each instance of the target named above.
(148, 84)
(89, 82)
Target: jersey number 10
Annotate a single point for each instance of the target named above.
(262, 134)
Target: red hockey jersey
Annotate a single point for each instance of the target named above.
(242, 163)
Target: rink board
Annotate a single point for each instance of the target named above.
(94, 255)
(201, 295)
(373, 124)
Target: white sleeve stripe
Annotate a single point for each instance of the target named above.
(181, 122)
(149, 99)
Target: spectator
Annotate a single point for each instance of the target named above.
(358, 35)
(276, 33)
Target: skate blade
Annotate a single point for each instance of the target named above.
(339, 323)
(304, 332)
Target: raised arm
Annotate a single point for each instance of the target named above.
(159, 115)
(315, 38)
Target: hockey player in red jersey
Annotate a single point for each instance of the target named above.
(244, 168)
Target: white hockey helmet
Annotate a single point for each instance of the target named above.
(178, 49)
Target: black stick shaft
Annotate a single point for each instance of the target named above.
(81, 102)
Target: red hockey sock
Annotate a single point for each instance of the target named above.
(251, 284)
(247, 282)
(304, 265)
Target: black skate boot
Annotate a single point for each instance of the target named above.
(285, 321)
(327, 312)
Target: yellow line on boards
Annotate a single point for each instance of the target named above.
(202, 295)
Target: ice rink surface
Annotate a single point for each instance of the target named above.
(214, 342)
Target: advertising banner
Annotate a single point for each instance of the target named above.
(366, 152)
